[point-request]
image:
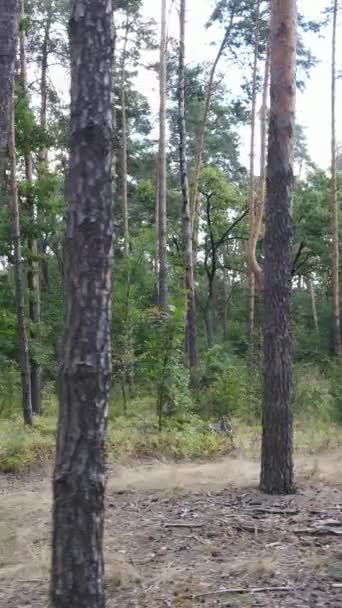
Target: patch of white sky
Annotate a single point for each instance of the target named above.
(313, 104)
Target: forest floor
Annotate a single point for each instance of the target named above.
(190, 534)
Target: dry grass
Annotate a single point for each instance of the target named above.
(25, 522)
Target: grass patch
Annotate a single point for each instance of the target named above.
(132, 437)
(136, 437)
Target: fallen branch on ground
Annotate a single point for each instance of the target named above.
(240, 591)
(183, 525)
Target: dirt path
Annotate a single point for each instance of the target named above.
(176, 534)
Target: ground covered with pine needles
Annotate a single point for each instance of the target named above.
(191, 534)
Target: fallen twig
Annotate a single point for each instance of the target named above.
(272, 511)
(183, 525)
(240, 591)
(318, 532)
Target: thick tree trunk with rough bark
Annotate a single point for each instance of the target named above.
(162, 218)
(335, 244)
(79, 478)
(277, 450)
(8, 33)
(33, 268)
(191, 321)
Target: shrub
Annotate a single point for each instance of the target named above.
(313, 394)
(229, 387)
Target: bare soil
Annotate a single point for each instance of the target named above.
(188, 535)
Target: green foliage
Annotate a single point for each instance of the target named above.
(229, 388)
(10, 395)
(313, 390)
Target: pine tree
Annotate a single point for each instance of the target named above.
(277, 456)
(77, 578)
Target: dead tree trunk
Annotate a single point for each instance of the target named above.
(162, 218)
(33, 268)
(191, 321)
(335, 244)
(277, 449)
(77, 578)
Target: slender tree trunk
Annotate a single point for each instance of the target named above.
(210, 314)
(156, 225)
(311, 291)
(33, 268)
(251, 175)
(8, 32)
(203, 128)
(124, 192)
(77, 578)
(277, 448)
(19, 289)
(259, 201)
(225, 304)
(191, 320)
(162, 232)
(335, 251)
(43, 152)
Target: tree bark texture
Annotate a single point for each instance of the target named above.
(8, 33)
(335, 244)
(277, 450)
(191, 320)
(162, 218)
(33, 268)
(311, 291)
(77, 579)
(24, 358)
(124, 191)
(252, 174)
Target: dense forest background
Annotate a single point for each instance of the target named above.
(187, 342)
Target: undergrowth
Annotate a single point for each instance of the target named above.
(226, 390)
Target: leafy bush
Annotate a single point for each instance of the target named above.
(313, 393)
(10, 391)
(229, 388)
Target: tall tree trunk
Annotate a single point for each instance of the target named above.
(311, 291)
(210, 313)
(43, 151)
(19, 289)
(162, 232)
(33, 268)
(251, 174)
(191, 320)
(77, 578)
(335, 251)
(124, 183)
(225, 304)
(277, 442)
(8, 32)
(194, 200)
